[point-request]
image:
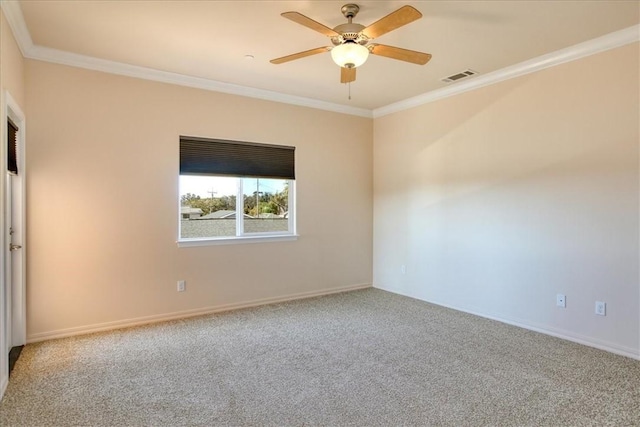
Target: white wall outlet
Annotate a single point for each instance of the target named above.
(601, 308)
(403, 269)
(561, 300)
(181, 286)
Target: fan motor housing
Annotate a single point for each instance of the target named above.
(349, 32)
(349, 28)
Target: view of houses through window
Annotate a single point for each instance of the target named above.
(210, 205)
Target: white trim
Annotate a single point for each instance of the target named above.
(3, 386)
(235, 240)
(543, 329)
(4, 289)
(107, 326)
(581, 50)
(14, 112)
(291, 201)
(239, 208)
(14, 16)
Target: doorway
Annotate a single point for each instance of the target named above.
(12, 251)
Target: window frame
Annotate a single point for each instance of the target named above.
(241, 236)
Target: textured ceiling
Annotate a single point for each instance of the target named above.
(210, 39)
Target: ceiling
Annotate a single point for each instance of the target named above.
(209, 39)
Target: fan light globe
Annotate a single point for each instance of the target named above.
(349, 54)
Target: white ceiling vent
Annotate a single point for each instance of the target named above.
(461, 75)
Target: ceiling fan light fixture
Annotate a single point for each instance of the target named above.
(349, 54)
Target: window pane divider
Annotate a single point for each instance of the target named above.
(240, 209)
(291, 201)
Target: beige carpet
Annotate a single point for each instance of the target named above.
(365, 358)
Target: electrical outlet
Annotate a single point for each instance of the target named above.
(181, 286)
(561, 301)
(601, 308)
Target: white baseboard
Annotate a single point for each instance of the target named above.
(543, 329)
(100, 327)
(3, 387)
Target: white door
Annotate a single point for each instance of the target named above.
(14, 272)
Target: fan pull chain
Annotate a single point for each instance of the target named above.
(349, 90)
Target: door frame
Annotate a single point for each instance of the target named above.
(13, 311)
(18, 287)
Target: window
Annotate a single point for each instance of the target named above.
(234, 191)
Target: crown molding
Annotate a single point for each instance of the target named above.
(581, 50)
(46, 54)
(14, 16)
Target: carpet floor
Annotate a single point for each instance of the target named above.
(363, 358)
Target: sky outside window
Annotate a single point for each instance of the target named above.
(226, 186)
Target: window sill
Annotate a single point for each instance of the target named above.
(187, 243)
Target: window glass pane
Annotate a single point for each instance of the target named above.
(207, 206)
(265, 205)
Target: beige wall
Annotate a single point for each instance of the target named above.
(11, 63)
(498, 199)
(103, 193)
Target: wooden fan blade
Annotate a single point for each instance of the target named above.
(300, 55)
(397, 19)
(347, 75)
(407, 55)
(310, 23)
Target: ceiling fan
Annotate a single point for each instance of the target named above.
(351, 42)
